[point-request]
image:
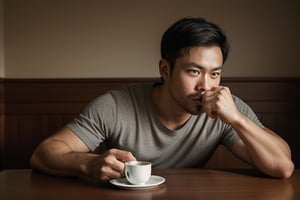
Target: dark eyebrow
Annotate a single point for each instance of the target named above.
(193, 64)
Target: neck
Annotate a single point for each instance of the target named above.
(168, 111)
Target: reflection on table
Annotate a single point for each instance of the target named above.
(180, 184)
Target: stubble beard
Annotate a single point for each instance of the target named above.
(199, 109)
(185, 107)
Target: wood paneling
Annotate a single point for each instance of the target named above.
(35, 108)
(2, 113)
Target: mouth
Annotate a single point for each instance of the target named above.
(197, 99)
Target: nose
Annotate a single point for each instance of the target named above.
(204, 83)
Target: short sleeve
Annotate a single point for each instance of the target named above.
(96, 122)
(230, 137)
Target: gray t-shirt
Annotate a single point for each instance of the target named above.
(125, 119)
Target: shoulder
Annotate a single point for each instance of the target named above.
(135, 89)
(245, 109)
(241, 104)
(121, 101)
(132, 95)
(120, 93)
(130, 92)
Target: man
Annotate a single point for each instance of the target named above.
(176, 123)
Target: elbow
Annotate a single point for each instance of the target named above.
(33, 161)
(36, 161)
(282, 170)
(287, 170)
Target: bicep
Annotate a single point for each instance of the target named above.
(66, 137)
(49, 156)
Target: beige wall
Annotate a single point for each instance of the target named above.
(1, 40)
(115, 38)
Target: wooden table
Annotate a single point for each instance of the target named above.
(187, 184)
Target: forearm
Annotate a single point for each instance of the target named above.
(56, 158)
(266, 150)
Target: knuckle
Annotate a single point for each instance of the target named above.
(102, 170)
(128, 154)
(103, 177)
(111, 151)
(107, 160)
(102, 173)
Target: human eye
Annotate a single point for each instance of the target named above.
(194, 72)
(215, 74)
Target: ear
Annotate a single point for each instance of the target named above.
(164, 69)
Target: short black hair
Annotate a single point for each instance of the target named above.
(191, 32)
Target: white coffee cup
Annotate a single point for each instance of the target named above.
(137, 172)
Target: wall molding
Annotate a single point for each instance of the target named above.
(32, 109)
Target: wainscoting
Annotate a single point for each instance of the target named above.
(32, 109)
(2, 113)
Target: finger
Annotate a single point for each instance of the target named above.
(209, 111)
(209, 104)
(213, 114)
(122, 155)
(214, 95)
(210, 96)
(109, 173)
(111, 168)
(118, 157)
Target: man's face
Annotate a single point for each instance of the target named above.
(199, 70)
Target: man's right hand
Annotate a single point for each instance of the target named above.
(110, 164)
(64, 154)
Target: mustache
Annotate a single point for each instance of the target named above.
(196, 96)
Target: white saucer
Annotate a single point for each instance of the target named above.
(124, 184)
